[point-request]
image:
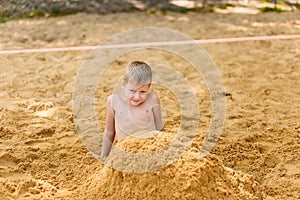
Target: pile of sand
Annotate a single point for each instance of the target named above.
(187, 178)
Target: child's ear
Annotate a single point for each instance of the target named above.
(123, 83)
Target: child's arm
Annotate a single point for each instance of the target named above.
(109, 132)
(157, 113)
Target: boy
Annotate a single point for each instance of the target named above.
(136, 109)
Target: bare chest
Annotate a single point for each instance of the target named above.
(132, 119)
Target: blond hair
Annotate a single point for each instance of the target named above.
(138, 72)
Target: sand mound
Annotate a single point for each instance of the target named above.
(145, 141)
(187, 178)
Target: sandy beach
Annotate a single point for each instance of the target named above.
(257, 156)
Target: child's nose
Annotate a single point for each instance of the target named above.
(136, 95)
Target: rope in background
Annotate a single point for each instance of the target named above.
(152, 44)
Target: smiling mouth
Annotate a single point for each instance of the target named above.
(136, 101)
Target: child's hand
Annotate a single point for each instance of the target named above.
(92, 154)
(100, 157)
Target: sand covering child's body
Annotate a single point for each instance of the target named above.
(136, 109)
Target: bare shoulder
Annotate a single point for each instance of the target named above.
(115, 100)
(114, 97)
(110, 99)
(153, 97)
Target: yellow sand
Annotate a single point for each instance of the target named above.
(42, 157)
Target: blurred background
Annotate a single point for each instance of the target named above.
(32, 8)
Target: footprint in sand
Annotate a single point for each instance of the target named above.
(8, 161)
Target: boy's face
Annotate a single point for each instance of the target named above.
(136, 94)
